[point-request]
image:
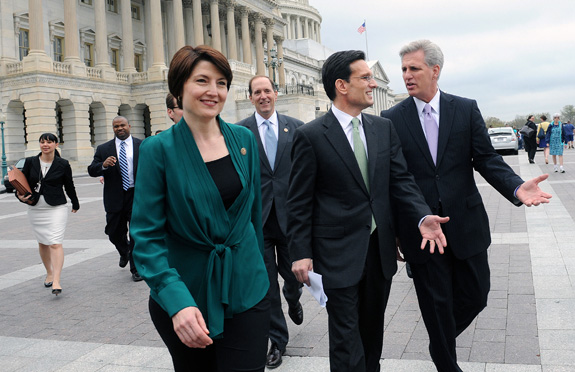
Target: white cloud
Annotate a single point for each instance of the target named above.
(513, 57)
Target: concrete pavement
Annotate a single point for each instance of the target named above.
(101, 323)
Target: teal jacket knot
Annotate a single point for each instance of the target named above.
(218, 278)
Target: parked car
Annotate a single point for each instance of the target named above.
(504, 139)
(7, 184)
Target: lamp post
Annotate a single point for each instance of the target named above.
(275, 62)
(2, 120)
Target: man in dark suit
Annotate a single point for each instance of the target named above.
(339, 211)
(117, 161)
(274, 134)
(444, 139)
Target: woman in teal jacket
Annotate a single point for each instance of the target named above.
(196, 223)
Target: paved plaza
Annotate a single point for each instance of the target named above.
(101, 322)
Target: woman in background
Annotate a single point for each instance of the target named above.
(197, 227)
(47, 173)
(555, 138)
(543, 141)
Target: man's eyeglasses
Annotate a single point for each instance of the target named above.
(367, 79)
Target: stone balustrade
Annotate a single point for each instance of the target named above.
(61, 68)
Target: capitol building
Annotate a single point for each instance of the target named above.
(70, 66)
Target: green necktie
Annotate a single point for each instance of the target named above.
(361, 157)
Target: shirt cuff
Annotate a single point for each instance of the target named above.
(421, 220)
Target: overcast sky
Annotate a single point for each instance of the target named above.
(512, 56)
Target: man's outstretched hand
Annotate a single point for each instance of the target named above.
(430, 230)
(529, 193)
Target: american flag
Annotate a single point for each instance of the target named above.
(361, 28)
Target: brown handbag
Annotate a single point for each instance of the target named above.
(19, 181)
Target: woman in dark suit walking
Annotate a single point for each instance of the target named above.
(47, 173)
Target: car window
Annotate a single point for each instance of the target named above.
(20, 163)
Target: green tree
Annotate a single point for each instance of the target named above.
(568, 113)
(493, 122)
(518, 122)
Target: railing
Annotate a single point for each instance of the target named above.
(291, 89)
(122, 77)
(14, 68)
(94, 72)
(240, 67)
(61, 68)
(140, 77)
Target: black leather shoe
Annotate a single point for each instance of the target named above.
(136, 277)
(124, 261)
(408, 270)
(296, 314)
(274, 358)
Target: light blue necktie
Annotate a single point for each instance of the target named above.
(124, 166)
(271, 143)
(431, 131)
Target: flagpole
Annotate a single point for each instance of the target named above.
(366, 50)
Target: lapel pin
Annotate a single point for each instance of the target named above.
(243, 151)
(286, 130)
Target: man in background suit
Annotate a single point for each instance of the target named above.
(339, 192)
(119, 181)
(444, 139)
(275, 165)
(174, 112)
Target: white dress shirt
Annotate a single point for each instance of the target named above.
(345, 122)
(274, 125)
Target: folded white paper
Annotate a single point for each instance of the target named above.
(316, 288)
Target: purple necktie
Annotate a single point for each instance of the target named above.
(431, 131)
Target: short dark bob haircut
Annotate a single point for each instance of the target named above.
(48, 137)
(337, 67)
(184, 62)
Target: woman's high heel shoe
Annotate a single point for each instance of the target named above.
(56, 291)
(47, 284)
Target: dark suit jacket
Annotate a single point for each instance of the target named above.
(59, 174)
(275, 182)
(463, 146)
(329, 207)
(113, 197)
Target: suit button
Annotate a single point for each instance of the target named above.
(437, 177)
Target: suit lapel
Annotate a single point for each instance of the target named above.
(283, 135)
(371, 140)
(413, 124)
(446, 115)
(253, 126)
(336, 137)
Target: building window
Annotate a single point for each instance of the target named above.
(139, 62)
(136, 12)
(89, 54)
(24, 43)
(58, 49)
(115, 59)
(112, 6)
(86, 2)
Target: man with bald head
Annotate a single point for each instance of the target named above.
(117, 161)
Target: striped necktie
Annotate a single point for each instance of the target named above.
(124, 166)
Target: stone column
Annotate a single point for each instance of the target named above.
(306, 28)
(8, 35)
(246, 39)
(232, 51)
(258, 40)
(189, 23)
(288, 26)
(319, 33)
(156, 71)
(215, 21)
(72, 44)
(179, 33)
(299, 34)
(101, 34)
(270, 42)
(281, 70)
(127, 36)
(40, 116)
(37, 59)
(223, 40)
(198, 26)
